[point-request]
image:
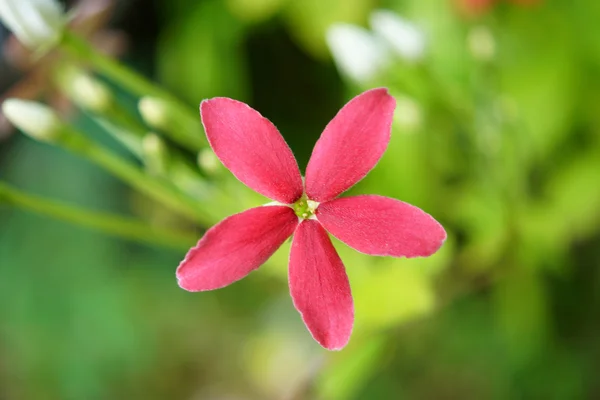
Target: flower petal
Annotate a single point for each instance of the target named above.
(319, 286)
(382, 226)
(252, 148)
(235, 247)
(351, 145)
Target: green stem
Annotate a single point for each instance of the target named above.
(115, 225)
(129, 138)
(137, 84)
(160, 190)
(178, 171)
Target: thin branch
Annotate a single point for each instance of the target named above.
(123, 227)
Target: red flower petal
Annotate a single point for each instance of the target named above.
(319, 286)
(235, 247)
(251, 147)
(351, 145)
(382, 226)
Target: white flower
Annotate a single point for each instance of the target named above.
(361, 54)
(357, 53)
(404, 37)
(36, 23)
(34, 119)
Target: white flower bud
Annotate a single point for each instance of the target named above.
(154, 112)
(36, 23)
(357, 53)
(404, 37)
(34, 119)
(90, 93)
(155, 154)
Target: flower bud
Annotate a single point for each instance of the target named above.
(155, 154)
(36, 23)
(154, 112)
(34, 119)
(166, 115)
(90, 93)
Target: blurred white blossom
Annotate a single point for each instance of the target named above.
(34, 119)
(361, 54)
(36, 23)
(154, 111)
(90, 93)
(357, 53)
(404, 37)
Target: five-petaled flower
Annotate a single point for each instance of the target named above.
(253, 149)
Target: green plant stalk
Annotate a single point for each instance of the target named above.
(137, 84)
(184, 175)
(175, 122)
(160, 190)
(131, 139)
(127, 228)
(179, 172)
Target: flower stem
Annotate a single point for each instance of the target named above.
(180, 173)
(115, 225)
(138, 85)
(159, 189)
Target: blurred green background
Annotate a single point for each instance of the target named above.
(497, 135)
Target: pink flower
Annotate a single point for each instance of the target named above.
(253, 149)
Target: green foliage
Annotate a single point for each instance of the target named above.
(201, 51)
(500, 143)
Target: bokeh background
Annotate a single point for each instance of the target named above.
(497, 135)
